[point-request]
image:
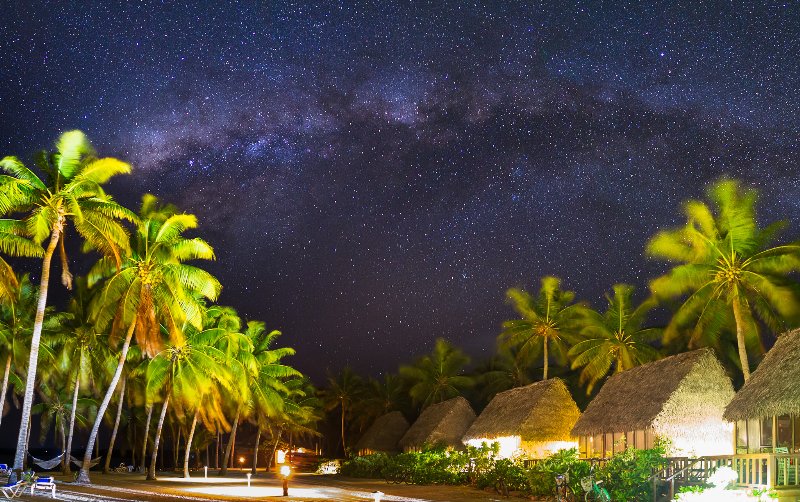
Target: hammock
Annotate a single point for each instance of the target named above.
(47, 464)
(79, 462)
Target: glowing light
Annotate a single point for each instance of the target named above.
(285, 471)
(241, 460)
(280, 457)
(509, 445)
(377, 496)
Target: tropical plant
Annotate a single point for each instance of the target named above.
(724, 266)
(439, 375)
(151, 286)
(342, 391)
(550, 323)
(616, 338)
(71, 190)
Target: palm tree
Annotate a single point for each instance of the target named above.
(549, 323)
(438, 376)
(616, 338)
(341, 392)
(724, 266)
(73, 191)
(13, 242)
(504, 371)
(267, 386)
(151, 286)
(185, 371)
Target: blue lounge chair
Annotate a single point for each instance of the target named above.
(14, 490)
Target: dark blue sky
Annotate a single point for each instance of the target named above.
(374, 175)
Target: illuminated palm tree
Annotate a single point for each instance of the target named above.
(439, 375)
(151, 287)
(550, 323)
(615, 339)
(724, 266)
(71, 191)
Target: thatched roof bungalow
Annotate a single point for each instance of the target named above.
(766, 410)
(679, 398)
(441, 424)
(534, 420)
(383, 435)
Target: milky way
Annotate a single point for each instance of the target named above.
(375, 175)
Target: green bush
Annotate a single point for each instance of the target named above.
(627, 475)
(542, 476)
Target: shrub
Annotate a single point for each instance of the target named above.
(542, 476)
(627, 475)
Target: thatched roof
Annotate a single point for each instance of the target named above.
(773, 388)
(634, 399)
(440, 424)
(543, 411)
(384, 433)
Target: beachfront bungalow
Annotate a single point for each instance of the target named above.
(766, 410)
(383, 435)
(441, 424)
(680, 399)
(534, 420)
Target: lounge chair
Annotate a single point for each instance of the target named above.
(46, 483)
(4, 469)
(15, 490)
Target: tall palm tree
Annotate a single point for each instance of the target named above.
(185, 372)
(439, 375)
(71, 191)
(342, 391)
(14, 242)
(616, 338)
(504, 371)
(724, 266)
(152, 286)
(549, 324)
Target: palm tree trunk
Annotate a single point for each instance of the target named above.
(151, 472)
(65, 466)
(189, 445)
(274, 448)
(107, 465)
(83, 474)
(3, 393)
(143, 467)
(63, 439)
(33, 359)
(229, 447)
(255, 451)
(546, 361)
(216, 458)
(737, 314)
(344, 448)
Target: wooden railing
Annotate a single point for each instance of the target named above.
(755, 470)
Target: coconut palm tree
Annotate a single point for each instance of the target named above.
(724, 266)
(14, 242)
(439, 375)
(71, 191)
(55, 409)
(549, 324)
(504, 371)
(342, 391)
(185, 371)
(616, 338)
(152, 286)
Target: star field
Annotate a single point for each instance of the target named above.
(374, 175)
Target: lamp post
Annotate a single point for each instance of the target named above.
(286, 470)
(248, 478)
(241, 463)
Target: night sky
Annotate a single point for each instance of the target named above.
(375, 175)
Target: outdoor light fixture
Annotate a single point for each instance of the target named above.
(377, 496)
(205, 470)
(248, 478)
(241, 462)
(286, 470)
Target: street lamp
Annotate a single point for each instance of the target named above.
(286, 470)
(241, 463)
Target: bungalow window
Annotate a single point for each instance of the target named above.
(639, 440)
(648, 439)
(766, 432)
(753, 435)
(741, 436)
(597, 445)
(796, 434)
(630, 440)
(608, 448)
(582, 450)
(619, 442)
(784, 432)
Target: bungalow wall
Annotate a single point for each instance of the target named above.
(775, 434)
(605, 445)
